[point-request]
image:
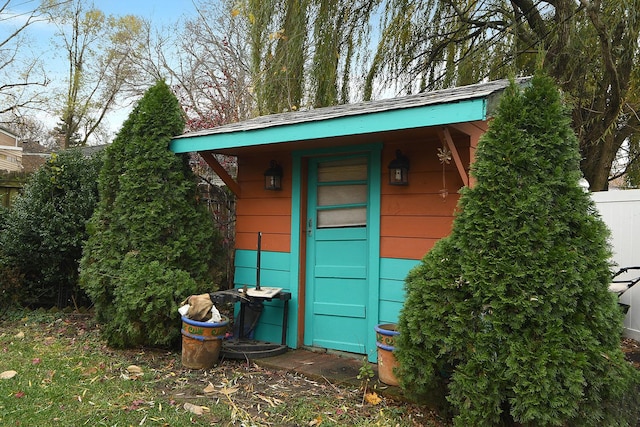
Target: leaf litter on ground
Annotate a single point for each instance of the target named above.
(64, 364)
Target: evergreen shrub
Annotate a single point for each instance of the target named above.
(43, 232)
(10, 286)
(150, 242)
(511, 313)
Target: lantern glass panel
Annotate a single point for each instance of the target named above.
(272, 182)
(398, 176)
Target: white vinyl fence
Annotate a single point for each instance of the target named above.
(620, 210)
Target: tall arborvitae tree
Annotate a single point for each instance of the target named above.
(150, 242)
(511, 313)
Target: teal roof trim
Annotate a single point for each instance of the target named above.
(376, 121)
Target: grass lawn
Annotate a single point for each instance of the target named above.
(59, 372)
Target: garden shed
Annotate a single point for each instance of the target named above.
(347, 200)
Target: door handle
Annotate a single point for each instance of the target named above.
(309, 227)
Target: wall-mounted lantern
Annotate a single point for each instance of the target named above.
(273, 177)
(399, 170)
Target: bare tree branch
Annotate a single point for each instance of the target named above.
(20, 74)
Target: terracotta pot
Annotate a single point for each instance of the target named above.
(385, 342)
(201, 342)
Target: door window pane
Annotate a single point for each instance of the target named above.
(348, 217)
(343, 170)
(342, 193)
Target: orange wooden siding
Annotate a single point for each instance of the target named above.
(263, 210)
(414, 217)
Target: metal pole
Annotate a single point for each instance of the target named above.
(258, 261)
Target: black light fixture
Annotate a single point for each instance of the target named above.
(399, 170)
(273, 177)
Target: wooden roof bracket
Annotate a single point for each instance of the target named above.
(213, 163)
(445, 137)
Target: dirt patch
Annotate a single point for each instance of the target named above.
(259, 394)
(631, 349)
(257, 391)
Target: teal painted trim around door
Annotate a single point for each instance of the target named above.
(294, 260)
(374, 248)
(337, 282)
(274, 272)
(382, 121)
(374, 153)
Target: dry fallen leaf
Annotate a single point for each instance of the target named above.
(134, 371)
(7, 375)
(19, 335)
(49, 378)
(315, 422)
(195, 409)
(90, 371)
(229, 390)
(272, 401)
(209, 389)
(372, 398)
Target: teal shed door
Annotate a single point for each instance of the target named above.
(337, 254)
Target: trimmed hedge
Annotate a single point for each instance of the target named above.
(43, 233)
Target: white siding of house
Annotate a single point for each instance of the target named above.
(620, 210)
(10, 158)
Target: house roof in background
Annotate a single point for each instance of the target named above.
(90, 150)
(447, 106)
(34, 147)
(8, 132)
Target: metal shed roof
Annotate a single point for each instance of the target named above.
(455, 105)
